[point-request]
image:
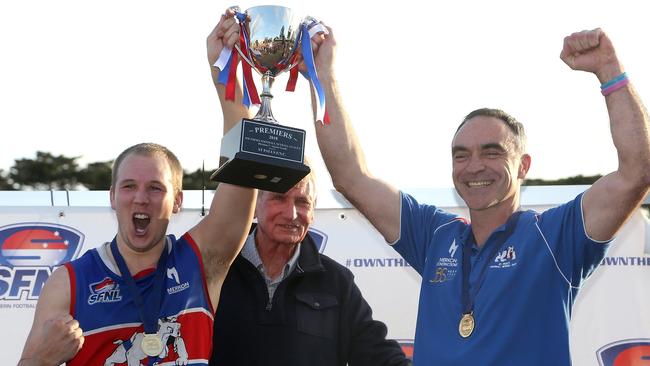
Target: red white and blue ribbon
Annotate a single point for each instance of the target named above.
(228, 62)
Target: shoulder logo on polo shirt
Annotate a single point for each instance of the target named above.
(505, 258)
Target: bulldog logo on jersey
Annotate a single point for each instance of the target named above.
(169, 333)
(106, 290)
(630, 352)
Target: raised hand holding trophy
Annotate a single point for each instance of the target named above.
(259, 152)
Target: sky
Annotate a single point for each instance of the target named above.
(90, 78)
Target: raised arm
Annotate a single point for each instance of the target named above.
(221, 234)
(55, 336)
(612, 199)
(377, 200)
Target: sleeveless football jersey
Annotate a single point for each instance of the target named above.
(101, 302)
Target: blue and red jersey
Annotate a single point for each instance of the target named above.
(101, 302)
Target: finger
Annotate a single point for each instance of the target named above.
(231, 35)
(225, 27)
(78, 333)
(230, 12)
(216, 27)
(74, 324)
(65, 318)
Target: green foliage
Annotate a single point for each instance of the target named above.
(97, 176)
(5, 184)
(197, 179)
(48, 171)
(575, 180)
(45, 172)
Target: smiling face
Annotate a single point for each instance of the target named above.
(144, 199)
(284, 218)
(488, 167)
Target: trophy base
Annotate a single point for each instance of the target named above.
(261, 172)
(262, 155)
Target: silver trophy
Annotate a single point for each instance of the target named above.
(259, 152)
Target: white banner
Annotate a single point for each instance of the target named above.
(611, 319)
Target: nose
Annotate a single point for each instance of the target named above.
(141, 196)
(290, 211)
(475, 164)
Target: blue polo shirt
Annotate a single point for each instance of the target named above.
(523, 307)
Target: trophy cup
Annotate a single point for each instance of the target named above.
(259, 152)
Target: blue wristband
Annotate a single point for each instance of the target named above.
(613, 81)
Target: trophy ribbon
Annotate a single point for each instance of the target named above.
(228, 61)
(312, 76)
(250, 91)
(293, 76)
(227, 64)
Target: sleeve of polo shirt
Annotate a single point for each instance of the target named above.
(576, 254)
(417, 225)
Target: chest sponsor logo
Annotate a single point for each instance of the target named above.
(172, 274)
(29, 253)
(505, 259)
(629, 352)
(104, 291)
(446, 267)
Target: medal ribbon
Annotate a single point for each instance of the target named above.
(148, 315)
(468, 296)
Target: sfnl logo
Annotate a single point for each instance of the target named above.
(29, 252)
(629, 352)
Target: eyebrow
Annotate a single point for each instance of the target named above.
(129, 180)
(491, 145)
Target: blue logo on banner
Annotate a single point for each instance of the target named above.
(630, 352)
(319, 237)
(29, 252)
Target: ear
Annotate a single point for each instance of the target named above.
(112, 195)
(258, 203)
(178, 202)
(524, 166)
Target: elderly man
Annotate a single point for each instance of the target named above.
(284, 303)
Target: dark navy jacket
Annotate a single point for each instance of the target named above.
(318, 317)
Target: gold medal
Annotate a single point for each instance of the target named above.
(151, 345)
(466, 325)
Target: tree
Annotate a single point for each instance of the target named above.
(197, 179)
(5, 183)
(97, 176)
(46, 172)
(575, 180)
